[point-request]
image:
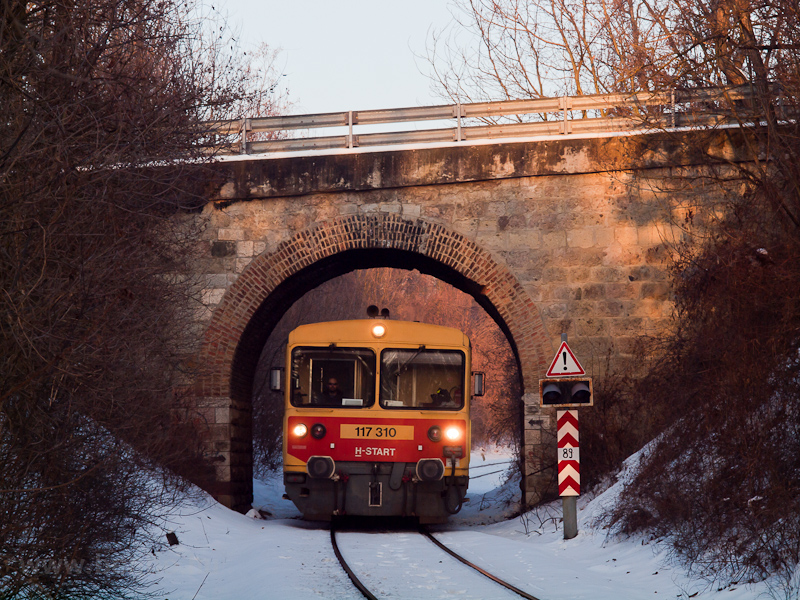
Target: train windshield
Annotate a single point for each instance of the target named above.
(422, 379)
(334, 377)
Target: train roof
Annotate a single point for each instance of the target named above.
(360, 331)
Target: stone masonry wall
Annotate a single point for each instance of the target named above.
(582, 245)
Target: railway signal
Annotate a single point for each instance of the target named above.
(567, 386)
(570, 392)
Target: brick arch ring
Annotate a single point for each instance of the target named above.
(498, 287)
(255, 302)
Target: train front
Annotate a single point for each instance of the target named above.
(376, 419)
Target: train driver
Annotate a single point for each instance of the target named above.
(331, 395)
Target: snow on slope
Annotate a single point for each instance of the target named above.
(223, 554)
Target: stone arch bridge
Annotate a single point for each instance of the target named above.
(550, 237)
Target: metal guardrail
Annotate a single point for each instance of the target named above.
(601, 113)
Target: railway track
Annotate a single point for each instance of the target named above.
(380, 564)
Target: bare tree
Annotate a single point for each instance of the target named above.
(100, 102)
(726, 385)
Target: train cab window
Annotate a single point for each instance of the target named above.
(422, 379)
(333, 377)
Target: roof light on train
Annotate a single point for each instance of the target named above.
(378, 330)
(300, 430)
(452, 433)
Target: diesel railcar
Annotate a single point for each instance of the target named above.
(376, 419)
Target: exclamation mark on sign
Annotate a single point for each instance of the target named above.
(564, 354)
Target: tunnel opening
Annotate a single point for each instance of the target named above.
(247, 379)
(408, 296)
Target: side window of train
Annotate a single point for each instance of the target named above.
(333, 377)
(422, 379)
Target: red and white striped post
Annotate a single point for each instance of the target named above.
(569, 468)
(569, 461)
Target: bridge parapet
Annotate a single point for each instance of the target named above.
(586, 115)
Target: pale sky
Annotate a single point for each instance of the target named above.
(345, 54)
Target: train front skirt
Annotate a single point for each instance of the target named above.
(376, 489)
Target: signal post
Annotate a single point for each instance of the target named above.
(567, 386)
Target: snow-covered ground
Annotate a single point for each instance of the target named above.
(223, 554)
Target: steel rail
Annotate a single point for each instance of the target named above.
(460, 558)
(423, 531)
(356, 581)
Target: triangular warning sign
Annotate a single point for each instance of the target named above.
(565, 364)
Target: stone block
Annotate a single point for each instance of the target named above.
(580, 238)
(244, 249)
(610, 308)
(233, 235)
(603, 236)
(554, 240)
(553, 311)
(241, 264)
(627, 236)
(650, 235)
(622, 291)
(222, 415)
(223, 472)
(655, 290)
(222, 446)
(212, 296)
(411, 210)
(221, 249)
(390, 207)
(349, 209)
(608, 274)
(216, 280)
(524, 239)
(496, 209)
(578, 274)
(533, 437)
(591, 327)
(210, 401)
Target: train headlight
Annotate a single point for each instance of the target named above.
(318, 431)
(378, 330)
(452, 434)
(435, 433)
(299, 430)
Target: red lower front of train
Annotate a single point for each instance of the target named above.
(367, 466)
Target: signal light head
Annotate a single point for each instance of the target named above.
(551, 394)
(566, 392)
(581, 393)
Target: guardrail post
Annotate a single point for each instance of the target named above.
(565, 106)
(672, 113)
(349, 128)
(244, 129)
(458, 122)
